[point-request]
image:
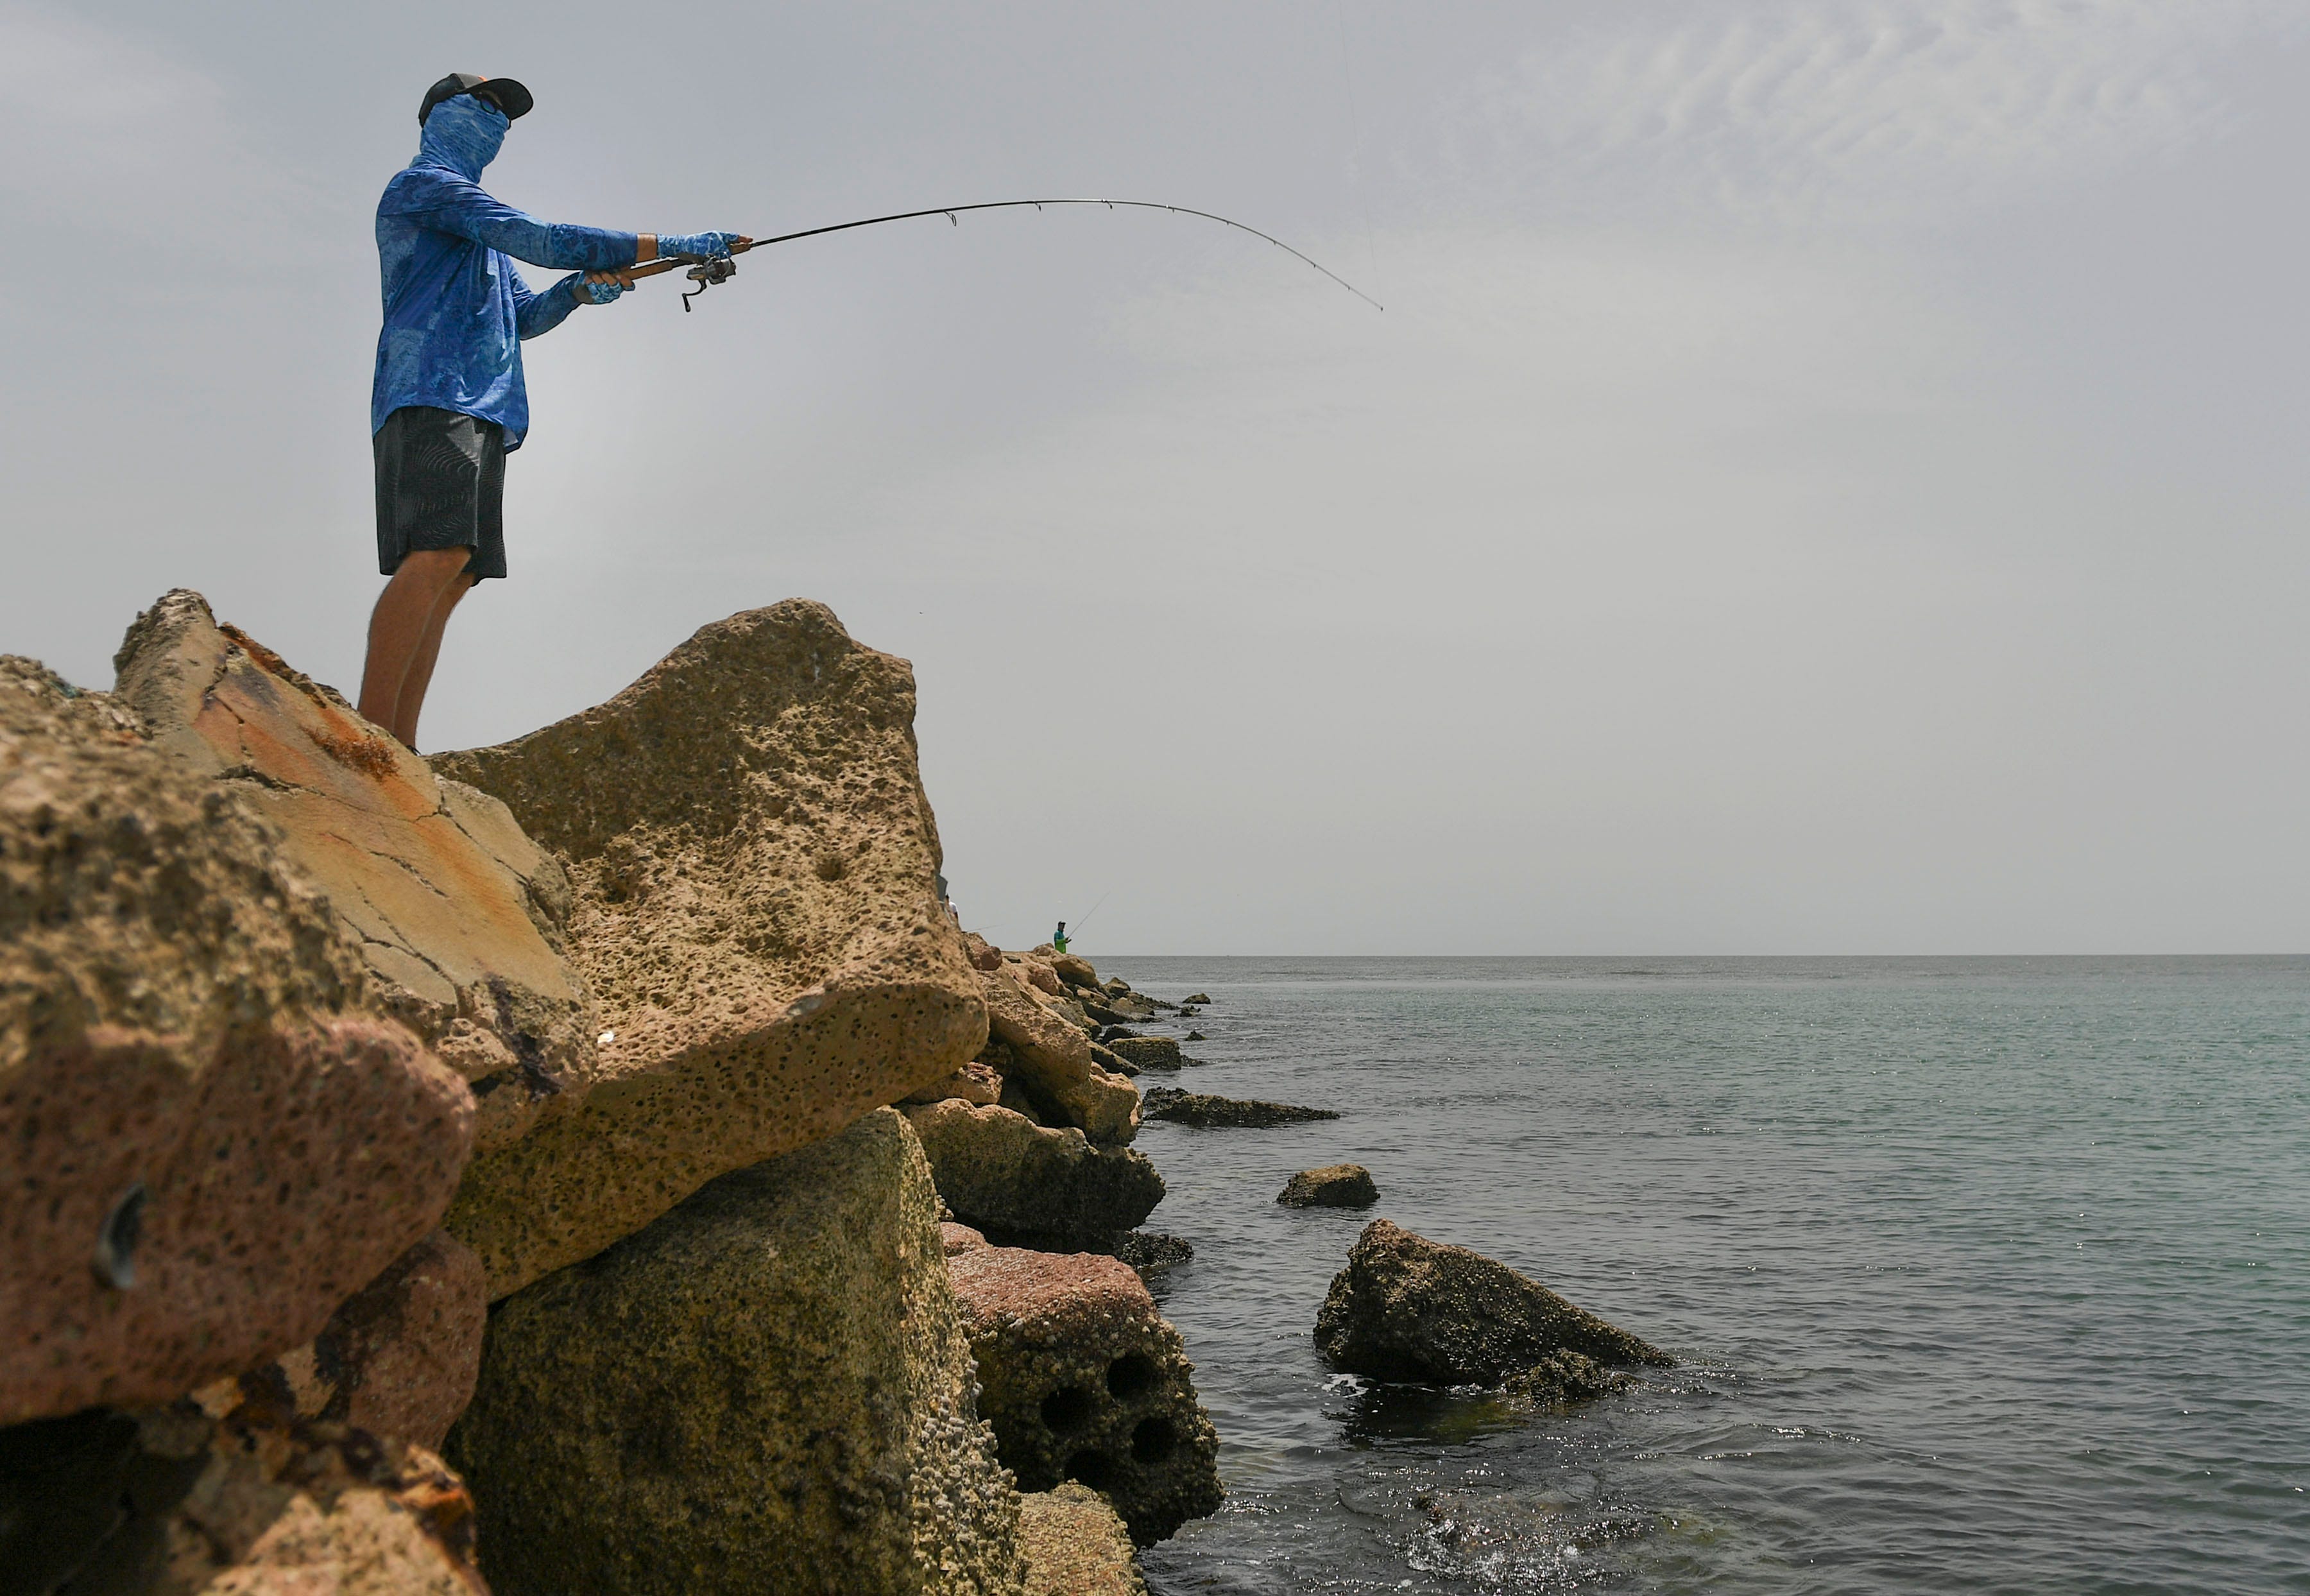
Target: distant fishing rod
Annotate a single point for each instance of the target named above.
(706, 272)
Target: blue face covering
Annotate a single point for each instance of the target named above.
(464, 135)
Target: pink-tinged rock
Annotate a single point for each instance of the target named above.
(171, 1218)
(1084, 1379)
(206, 1144)
(398, 1358)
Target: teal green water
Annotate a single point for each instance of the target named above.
(1985, 1274)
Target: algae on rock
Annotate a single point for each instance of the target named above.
(768, 1389)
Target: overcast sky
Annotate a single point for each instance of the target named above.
(1829, 477)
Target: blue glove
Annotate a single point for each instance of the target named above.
(600, 293)
(709, 245)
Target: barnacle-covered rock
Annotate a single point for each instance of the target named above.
(765, 1390)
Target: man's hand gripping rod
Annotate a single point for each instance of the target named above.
(706, 271)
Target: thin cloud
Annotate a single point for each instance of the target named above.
(1884, 108)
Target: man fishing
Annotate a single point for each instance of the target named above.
(447, 405)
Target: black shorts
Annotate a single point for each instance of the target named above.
(440, 484)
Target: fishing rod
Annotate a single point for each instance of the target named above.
(706, 272)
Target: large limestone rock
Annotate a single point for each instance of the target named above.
(170, 1502)
(1086, 1381)
(209, 1137)
(765, 1390)
(457, 914)
(755, 916)
(1408, 1308)
(1076, 1546)
(398, 1358)
(1000, 1171)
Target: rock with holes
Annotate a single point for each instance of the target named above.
(209, 1133)
(1408, 1308)
(397, 1358)
(174, 1502)
(1076, 1546)
(458, 914)
(1334, 1185)
(1084, 1380)
(756, 915)
(1031, 1184)
(767, 1389)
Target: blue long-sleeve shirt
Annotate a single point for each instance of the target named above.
(456, 309)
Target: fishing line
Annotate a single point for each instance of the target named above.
(1355, 141)
(705, 273)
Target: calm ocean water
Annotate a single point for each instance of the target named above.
(1986, 1275)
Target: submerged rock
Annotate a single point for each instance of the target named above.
(457, 915)
(212, 1136)
(1567, 1377)
(768, 1389)
(1224, 1114)
(1408, 1308)
(754, 865)
(1334, 1185)
(1148, 1251)
(1002, 1173)
(1084, 1380)
(174, 1501)
(1076, 1546)
(1202, 998)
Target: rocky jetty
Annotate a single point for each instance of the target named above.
(1085, 1380)
(1407, 1309)
(1236, 1114)
(1334, 1185)
(311, 1051)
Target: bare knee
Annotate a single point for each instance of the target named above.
(436, 569)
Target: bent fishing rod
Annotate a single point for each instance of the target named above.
(706, 272)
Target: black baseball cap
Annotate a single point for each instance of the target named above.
(504, 93)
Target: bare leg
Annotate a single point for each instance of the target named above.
(420, 667)
(397, 629)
